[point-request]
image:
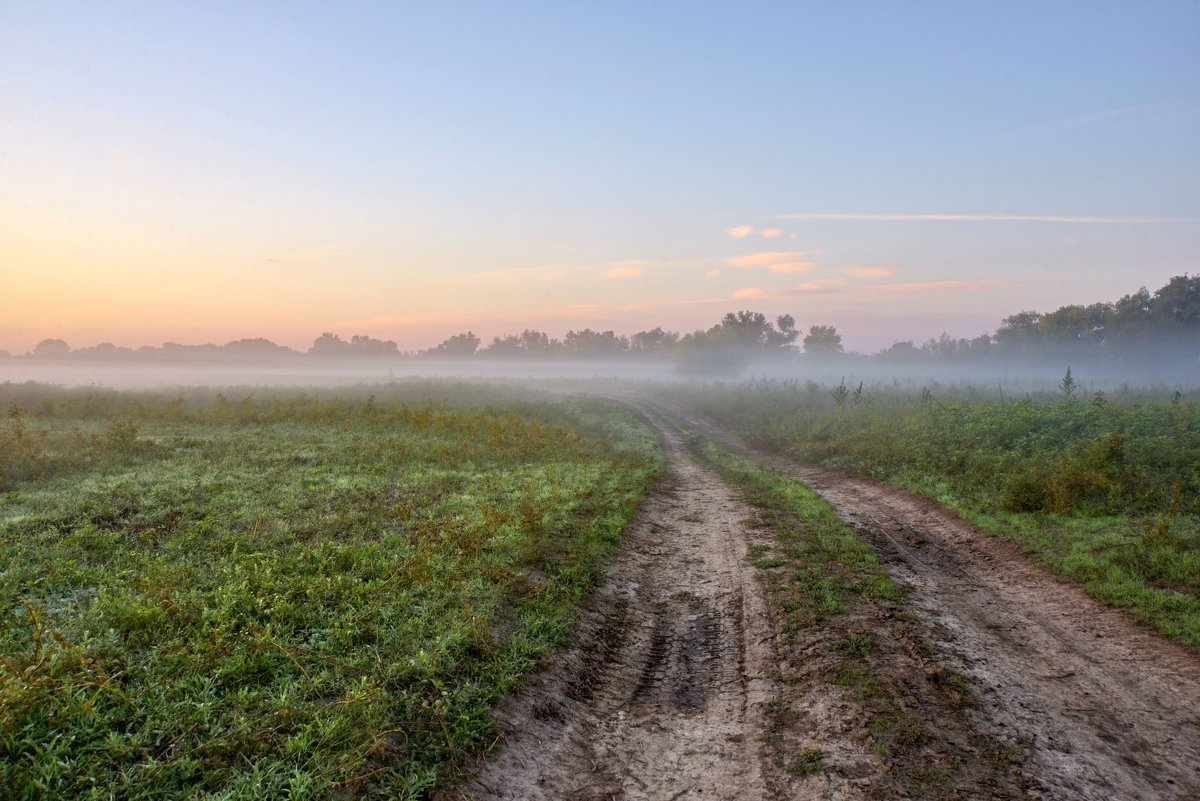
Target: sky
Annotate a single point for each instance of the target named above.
(203, 172)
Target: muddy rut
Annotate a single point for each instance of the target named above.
(663, 696)
(1105, 709)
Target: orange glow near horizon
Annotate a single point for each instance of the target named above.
(181, 174)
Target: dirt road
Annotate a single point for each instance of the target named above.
(1110, 711)
(662, 697)
(665, 694)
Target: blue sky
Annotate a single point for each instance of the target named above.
(411, 170)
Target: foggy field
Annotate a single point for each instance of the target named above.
(290, 592)
(1103, 488)
(596, 401)
(291, 595)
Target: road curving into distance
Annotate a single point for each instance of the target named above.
(663, 694)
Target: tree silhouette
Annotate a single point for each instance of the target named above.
(329, 345)
(51, 349)
(653, 341)
(822, 340)
(456, 347)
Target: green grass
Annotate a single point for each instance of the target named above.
(292, 596)
(807, 763)
(1104, 492)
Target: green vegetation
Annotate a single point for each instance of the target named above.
(809, 761)
(1104, 491)
(297, 595)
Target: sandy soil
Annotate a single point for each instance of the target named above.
(664, 694)
(1109, 710)
(678, 679)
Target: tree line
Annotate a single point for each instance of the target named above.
(736, 332)
(1137, 326)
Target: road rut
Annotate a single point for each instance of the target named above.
(663, 696)
(1107, 709)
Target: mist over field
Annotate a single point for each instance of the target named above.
(1142, 338)
(1166, 373)
(530, 401)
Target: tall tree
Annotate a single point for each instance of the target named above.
(594, 343)
(654, 341)
(329, 345)
(823, 340)
(456, 347)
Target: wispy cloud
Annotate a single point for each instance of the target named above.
(1041, 218)
(793, 266)
(777, 261)
(765, 258)
(869, 271)
(1072, 122)
(712, 273)
(623, 272)
(936, 286)
(743, 231)
(820, 286)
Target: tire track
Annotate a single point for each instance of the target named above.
(664, 694)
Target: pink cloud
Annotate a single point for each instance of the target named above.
(820, 286)
(869, 271)
(770, 233)
(739, 231)
(765, 259)
(712, 273)
(793, 266)
(623, 272)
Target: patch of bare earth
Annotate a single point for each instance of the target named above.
(664, 694)
(1105, 709)
(684, 681)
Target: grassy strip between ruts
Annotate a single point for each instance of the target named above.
(848, 625)
(293, 596)
(1105, 493)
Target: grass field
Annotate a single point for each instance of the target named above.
(231, 596)
(1105, 491)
